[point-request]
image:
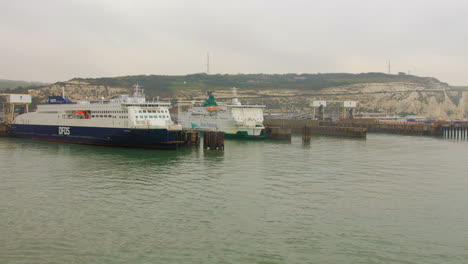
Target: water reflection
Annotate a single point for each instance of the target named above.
(92, 152)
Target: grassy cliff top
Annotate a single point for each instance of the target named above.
(166, 84)
(10, 84)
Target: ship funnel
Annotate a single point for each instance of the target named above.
(235, 100)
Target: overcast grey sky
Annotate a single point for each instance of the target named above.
(51, 41)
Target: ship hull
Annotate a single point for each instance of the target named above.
(103, 136)
(245, 135)
(224, 125)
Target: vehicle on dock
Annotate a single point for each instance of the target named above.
(234, 119)
(127, 121)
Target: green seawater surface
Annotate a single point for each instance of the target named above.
(386, 199)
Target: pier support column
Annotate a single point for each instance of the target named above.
(306, 134)
(213, 140)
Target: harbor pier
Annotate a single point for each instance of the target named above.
(213, 140)
(281, 133)
(455, 131)
(318, 127)
(340, 131)
(360, 127)
(191, 137)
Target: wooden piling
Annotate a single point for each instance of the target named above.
(449, 130)
(306, 134)
(192, 137)
(3, 130)
(213, 140)
(455, 131)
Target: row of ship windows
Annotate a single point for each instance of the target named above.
(113, 116)
(151, 111)
(110, 112)
(138, 117)
(152, 116)
(108, 116)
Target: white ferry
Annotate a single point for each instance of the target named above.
(128, 121)
(234, 119)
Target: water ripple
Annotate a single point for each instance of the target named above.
(387, 199)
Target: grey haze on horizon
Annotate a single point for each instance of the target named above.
(58, 40)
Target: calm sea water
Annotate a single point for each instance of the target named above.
(387, 199)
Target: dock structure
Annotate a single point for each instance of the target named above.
(455, 131)
(296, 125)
(346, 108)
(280, 133)
(339, 131)
(403, 128)
(360, 127)
(318, 127)
(3, 129)
(15, 104)
(213, 140)
(447, 130)
(306, 134)
(191, 137)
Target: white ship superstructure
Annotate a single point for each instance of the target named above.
(234, 119)
(108, 120)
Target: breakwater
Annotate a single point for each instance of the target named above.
(317, 127)
(455, 131)
(441, 129)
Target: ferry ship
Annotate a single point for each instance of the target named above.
(234, 119)
(128, 121)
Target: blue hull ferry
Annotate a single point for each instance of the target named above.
(128, 121)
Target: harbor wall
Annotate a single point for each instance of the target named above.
(317, 127)
(294, 124)
(345, 127)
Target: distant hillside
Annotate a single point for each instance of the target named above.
(375, 92)
(166, 85)
(11, 84)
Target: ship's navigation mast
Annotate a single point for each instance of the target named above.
(235, 100)
(207, 63)
(138, 91)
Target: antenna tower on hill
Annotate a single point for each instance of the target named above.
(207, 63)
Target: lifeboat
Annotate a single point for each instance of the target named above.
(212, 108)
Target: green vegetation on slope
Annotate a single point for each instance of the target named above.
(6, 85)
(161, 84)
